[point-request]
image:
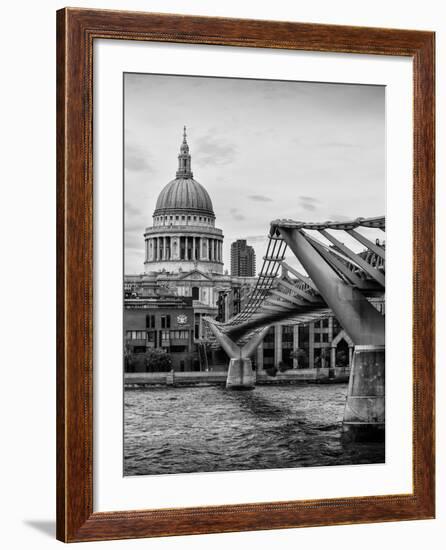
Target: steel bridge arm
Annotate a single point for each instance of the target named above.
(364, 324)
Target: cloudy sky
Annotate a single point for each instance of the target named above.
(263, 150)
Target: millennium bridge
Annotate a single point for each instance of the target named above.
(338, 281)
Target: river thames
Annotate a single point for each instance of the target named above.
(206, 429)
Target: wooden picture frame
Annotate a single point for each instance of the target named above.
(76, 31)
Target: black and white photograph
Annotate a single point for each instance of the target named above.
(254, 274)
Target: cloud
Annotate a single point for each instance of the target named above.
(256, 238)
(135, 218)
(211, 150)
(132, 210)
(308, 206)
(308, 203)
(236, 214)
(260, 198)
(306, 198)
(136, 160)
(340, 218)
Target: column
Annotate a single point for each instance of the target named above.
(350, 355)
(332, 361)
(277, 344)
(295, 345)
(260, 357)
(311, 346)
(186, 248)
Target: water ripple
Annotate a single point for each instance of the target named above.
(202, 429)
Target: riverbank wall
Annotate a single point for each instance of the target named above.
(218, 378)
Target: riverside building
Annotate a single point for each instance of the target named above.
(243, 259)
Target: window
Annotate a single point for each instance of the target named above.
(287, 333)
(195, 293)
(165, 321)
(150, 321)
(179, 334)
(136, 335)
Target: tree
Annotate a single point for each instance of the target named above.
(302, 357)
(129, 359)
(157, 360)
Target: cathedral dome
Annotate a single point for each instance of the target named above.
(184, 194)
(183, 236)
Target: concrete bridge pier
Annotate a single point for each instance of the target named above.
(241, 375)
(364, 414)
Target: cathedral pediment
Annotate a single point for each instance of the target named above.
(194, 275)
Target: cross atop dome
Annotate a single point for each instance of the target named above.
(184, 159)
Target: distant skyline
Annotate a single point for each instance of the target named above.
(263, 150)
